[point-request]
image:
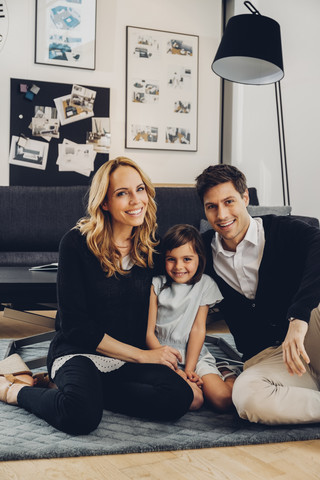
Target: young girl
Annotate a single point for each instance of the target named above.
(179, 304)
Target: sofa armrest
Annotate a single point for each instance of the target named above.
(259, 210)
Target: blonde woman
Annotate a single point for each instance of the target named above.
(98, 358)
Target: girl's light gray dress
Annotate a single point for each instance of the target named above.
(178, 305)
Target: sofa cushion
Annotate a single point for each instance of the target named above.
(35, 218)
(204, 226)
(177, 205)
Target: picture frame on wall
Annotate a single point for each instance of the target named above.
(65, 33)
(161, 90)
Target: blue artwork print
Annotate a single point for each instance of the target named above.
(65, 17)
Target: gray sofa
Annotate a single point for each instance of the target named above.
(34, 219)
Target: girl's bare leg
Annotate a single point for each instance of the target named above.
(218, 392)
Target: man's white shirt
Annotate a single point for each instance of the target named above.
(240, 269)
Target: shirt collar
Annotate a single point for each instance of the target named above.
(250, 237)
(252, 232)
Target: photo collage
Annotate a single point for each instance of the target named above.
(162, 90)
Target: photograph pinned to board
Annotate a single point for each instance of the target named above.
(75, 157)
(28, 153)
(68, 112)
(66, 33)
(100, 136)
(161, 90)
(83, 97)
(45, 123)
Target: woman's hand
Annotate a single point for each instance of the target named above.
(164, 355)
(293, 347)
(194, 377)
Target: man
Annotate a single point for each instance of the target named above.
(268, 270)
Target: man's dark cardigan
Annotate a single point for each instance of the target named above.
(289, 285)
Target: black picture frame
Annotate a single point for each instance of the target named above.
(162, 70)
(65, 33)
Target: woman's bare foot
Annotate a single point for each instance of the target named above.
(197, 396)
(197, 392)
(11, 385)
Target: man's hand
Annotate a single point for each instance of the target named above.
(293, 347)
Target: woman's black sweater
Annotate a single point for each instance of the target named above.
(90, 304)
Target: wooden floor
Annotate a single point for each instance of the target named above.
(282, 461)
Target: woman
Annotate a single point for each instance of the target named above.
(97, 358)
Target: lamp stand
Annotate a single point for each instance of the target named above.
(282, 145)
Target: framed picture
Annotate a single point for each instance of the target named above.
(161, 90)
(66, 33)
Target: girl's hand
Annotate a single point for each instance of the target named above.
(164, 355)
(193, 377)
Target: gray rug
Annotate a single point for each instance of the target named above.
(24, 436)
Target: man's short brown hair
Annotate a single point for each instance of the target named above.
(216, 174)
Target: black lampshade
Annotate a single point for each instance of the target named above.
(250, 51)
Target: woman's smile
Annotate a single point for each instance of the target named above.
(135, 212)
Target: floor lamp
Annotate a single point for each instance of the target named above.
(250, 53)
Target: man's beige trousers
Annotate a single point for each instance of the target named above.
(266, 393)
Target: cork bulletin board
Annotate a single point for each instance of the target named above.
(29, 99)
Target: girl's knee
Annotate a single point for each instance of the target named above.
(220, 400)
(223, 403)
(217, 393)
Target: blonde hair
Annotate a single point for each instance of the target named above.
(97, 224)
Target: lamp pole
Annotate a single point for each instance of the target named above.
(281, 135)
(250, 53)
(282, 145)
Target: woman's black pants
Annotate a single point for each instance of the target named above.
(142, 390)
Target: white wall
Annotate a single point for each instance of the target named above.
(197, 17)
(251, 140)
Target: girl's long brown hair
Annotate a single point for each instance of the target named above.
(97, 224)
